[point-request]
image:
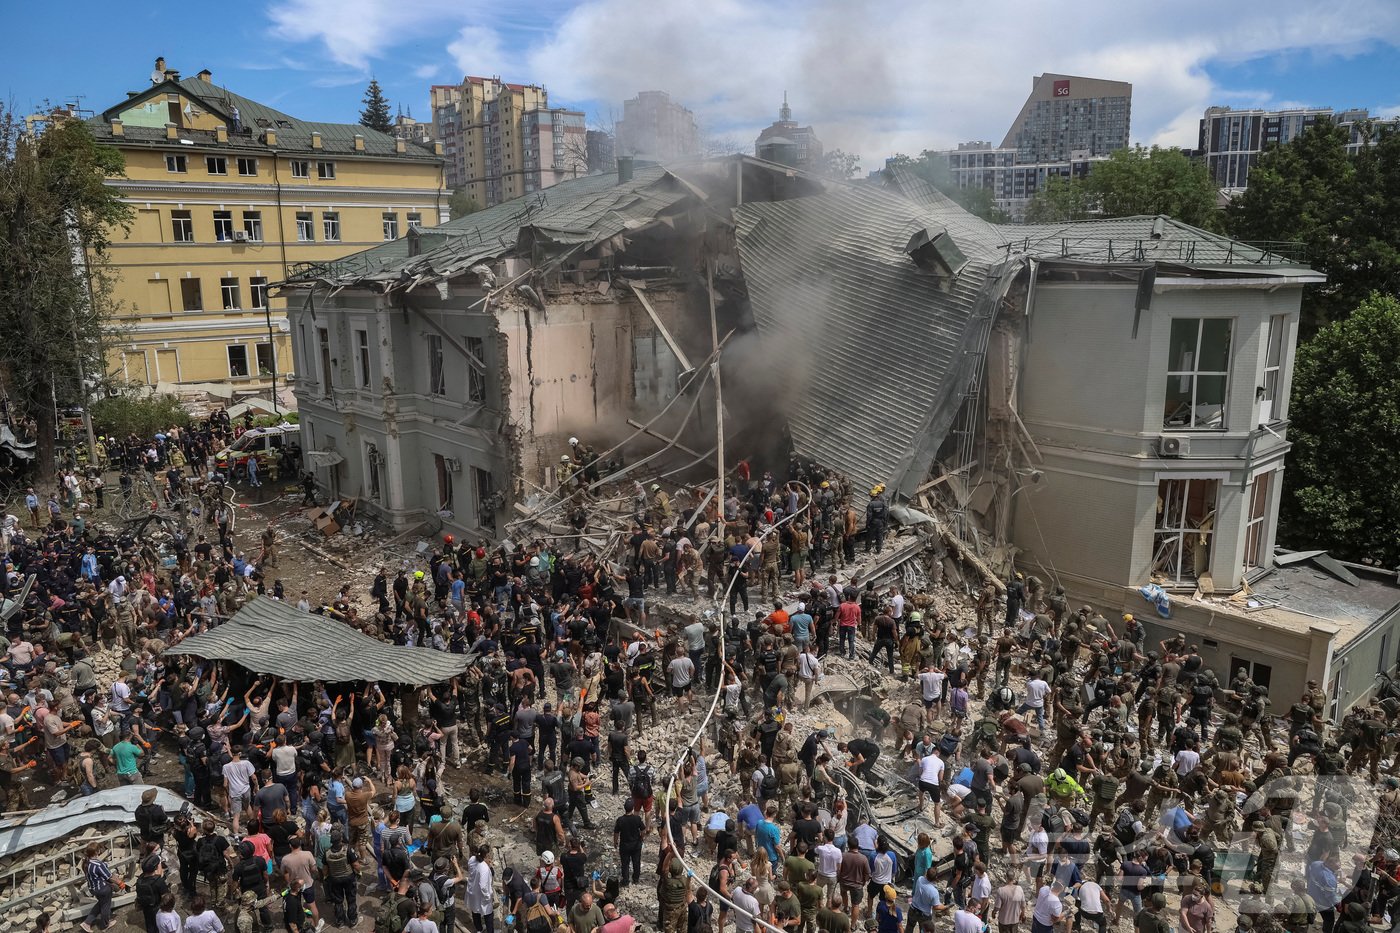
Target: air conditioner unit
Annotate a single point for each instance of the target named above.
(240, 236)
(1173, 445)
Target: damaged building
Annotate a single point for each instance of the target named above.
(1101, 404)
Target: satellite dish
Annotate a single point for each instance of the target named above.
(157, 77)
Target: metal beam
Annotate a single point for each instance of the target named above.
(661, 328)
(670, 441)
(452, 341)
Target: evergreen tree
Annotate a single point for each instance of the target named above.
(376, 112)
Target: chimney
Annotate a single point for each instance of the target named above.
(315, 140)
(359, 142)
(118, 129)
(400, 146)
(270, 136)
(221, 134)
(170, 131)
(437, 148)
(624, 169)
(205, 75)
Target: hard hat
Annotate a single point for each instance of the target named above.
(564, 459)
(874, 490)
(825, 484)
(916, 616)
(534, 562)
(447, 539)
(547, 857)
(573, 442)
(417, 574)
(1127, 617)
(655, 487)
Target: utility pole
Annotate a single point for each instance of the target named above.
(719, 396)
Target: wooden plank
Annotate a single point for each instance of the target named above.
(945, 477)
(661, 328)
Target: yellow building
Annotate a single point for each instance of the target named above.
(229, 197)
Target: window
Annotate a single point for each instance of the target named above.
(415, 220)
(252, 225)
(325, 169)
(247, 165)
(323, 338)
(444, 482)
(223, 226)
(1269, 407)
(190, 296)
(1185, 520)
(306, 231)
(1261, 674)
(229, 289)
(362, 358)
(301, 168)
(437, 378)
(476, 370)
(181, 227)
(485, 497)
(267, 365)
(330, 225)
(176, 164)
(1198, 370)
(216, 165)
(237, 361)
(257, 292)
(372, 458)
(1256, 532)
(391, 225)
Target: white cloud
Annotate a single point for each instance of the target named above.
(871, 81)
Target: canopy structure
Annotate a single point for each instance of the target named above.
(252, 404)
(268, 636)
(320, 459)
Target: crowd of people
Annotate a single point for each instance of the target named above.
(1071, 773)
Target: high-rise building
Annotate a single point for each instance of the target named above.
(656, 128)
(602, 155)
(229, 197)
(503, 140)
(787, 143)
(1231, 140)
(1066, 125)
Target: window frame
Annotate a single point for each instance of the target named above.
(325, 169)
(306, 227)
(243, 349)
(223, 226)
(198, 290)
(476, 374)
(268, 370)
(257, 292)
(389, 220)
(413, 220)
(1175, 535)
(216, 165)
(1177, 371)
(252, 226)
(323, 346)
(1275, 335)
(301, 168)
(327, 219)
(1256, 528)
(229, 293)
(250, 162)
(362, 374)
(176, 163)
(445, 490)
(181, 225)
(437, 371)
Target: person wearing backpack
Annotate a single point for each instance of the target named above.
(540, 915)
(211, 852)
(151, 889)
(641, 780)
(341, 870)
(151, 819)
(447, 876)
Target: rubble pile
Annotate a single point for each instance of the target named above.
(49, 879)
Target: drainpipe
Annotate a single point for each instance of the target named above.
(267, 301)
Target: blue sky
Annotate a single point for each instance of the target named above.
(873, 79)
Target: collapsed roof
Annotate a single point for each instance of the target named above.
(885, 290)
(269, 636)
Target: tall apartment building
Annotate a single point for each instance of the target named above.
(1064, 127)
(230, 197)
(656, 128)
(602, 151)
(786, 142)
(1231, 140)
(502, 140)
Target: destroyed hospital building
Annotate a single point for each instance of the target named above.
(1101, 404)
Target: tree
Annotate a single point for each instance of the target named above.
(1345, 209)
(838, 164)
(1141, 181)
(131, 411)
(1061, 200)
(376, 112)
(57, 215)
(1342, 487)
(461, 204)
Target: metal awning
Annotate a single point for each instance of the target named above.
(320, 459)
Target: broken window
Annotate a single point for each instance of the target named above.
(372, 458)
(1198, 371)
(485, 497)
(362, 358)
(1185, 522)
(476, 370)
(323, 337)
(1270, 408)
(444, 482)
(437, 377)
(1256, 532)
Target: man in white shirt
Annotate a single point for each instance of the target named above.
(1048, 908)
(121, 697)
(828, 859)
(747, 906)
(681, 671)
(930, 781)
(809, 671)
(1187, 760)
(896, 604)
(238, 782)
(1036, 691)
(931, 680)
(965, 921)
(1091, 905)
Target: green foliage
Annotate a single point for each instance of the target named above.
(1342, 486)
(933, 168)
(1130, 183)
(838, 164)
(461, 204)
(376, 113)
(134, 412)
(1344, 208)
(57, 215)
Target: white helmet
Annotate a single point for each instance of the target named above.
(573, 442)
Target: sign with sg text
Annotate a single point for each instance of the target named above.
(1061, 88)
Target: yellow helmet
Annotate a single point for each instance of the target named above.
(1127, 617)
